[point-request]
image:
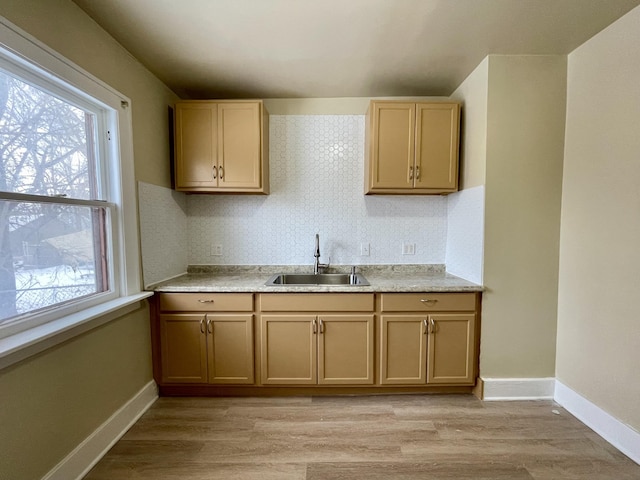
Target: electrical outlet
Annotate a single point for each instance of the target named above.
(365, 249)
(408, 248)
(216, 250)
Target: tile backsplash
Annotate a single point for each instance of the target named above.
(163, 232)
(317, 186)
(317, 182)
(465, 233)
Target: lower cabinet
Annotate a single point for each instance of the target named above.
(428, 347)
(207, 349)
(317, 349)
(205, 345)
(322, 339)
(331, 348)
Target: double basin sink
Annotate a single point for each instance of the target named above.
(282, 279)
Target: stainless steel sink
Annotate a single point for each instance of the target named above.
(317, 279)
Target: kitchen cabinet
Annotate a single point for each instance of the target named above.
(412, 147)
(428, 339)
(199, 343)
(309, 339)
(221, 146)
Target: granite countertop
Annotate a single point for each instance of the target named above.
(382, 278)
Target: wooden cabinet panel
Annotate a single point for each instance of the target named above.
(345, 349)
(393, 144)
(437, 146)
(289, 349)
(206, 302)
(183, 349)
(317, 302)
(230, 349)
(451, 349)
(196, 147)
(239, 153)
(403, 350)
(221, 146)
(427, 302)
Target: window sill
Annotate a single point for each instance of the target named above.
(25, 344)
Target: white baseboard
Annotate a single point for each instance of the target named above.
(82, 459)
(621, 436)
(518, 388)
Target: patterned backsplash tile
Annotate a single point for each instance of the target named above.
(317, 186)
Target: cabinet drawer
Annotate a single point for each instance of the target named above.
(206, 302)
(427, 302)
(317, 302)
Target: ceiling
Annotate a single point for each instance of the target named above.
(339, 48)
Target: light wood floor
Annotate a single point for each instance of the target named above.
(376, 437)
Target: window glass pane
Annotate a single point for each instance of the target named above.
(47, 145)
(50, 254)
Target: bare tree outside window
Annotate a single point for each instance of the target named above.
(50, 253)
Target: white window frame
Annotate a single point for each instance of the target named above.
(34, 60)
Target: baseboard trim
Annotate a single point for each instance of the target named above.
(618, 434)
(518, 388)
(82, 459)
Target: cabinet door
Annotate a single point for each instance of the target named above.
(403, 349)
(437, 126)
(183, 348)
(230, 348)
(345, 349)
(239, 152)
(392, 148)
(196, 145)
(289, 350)
(452, 349)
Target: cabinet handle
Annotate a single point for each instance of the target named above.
(426, 326)
(209, 325)
(433, 325)
(321, 326)
(429, 300)
(417, 172)
(206, 301)
(315, 326)
(221, 173)
(215, 172)
(202, 325)
(410, 173)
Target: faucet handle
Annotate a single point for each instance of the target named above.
(352, 275)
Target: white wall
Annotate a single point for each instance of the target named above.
(598, 348)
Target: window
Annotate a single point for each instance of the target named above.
(66, 239)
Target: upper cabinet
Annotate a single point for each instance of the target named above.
(221, 146)
(412, 148)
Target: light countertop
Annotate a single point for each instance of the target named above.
(382, 278)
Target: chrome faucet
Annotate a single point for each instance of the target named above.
(317, 266)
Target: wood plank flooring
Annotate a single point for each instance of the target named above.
(399, 437)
